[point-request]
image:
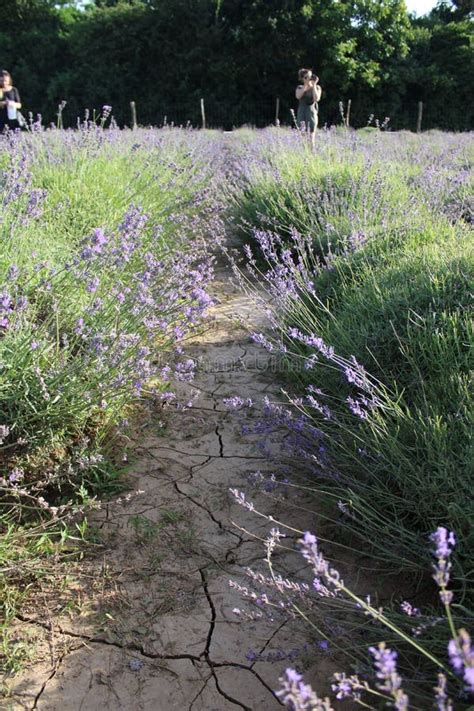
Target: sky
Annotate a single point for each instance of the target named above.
(420, 7)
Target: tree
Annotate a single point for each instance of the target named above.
(239, 55)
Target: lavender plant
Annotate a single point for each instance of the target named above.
(103, 272)
(361, 261)
(372, 323)
(328, 604)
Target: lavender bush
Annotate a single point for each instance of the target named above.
(360, 256)
(372, 322)
(103, 272)
(417, 676)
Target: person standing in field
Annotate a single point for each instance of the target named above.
(10, 102)
(308, 93)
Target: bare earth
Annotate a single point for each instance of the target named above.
(153, 628)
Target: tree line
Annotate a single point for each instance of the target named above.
(240, 55)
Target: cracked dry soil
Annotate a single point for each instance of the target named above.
(170, 640)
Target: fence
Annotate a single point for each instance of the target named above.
(209, 113)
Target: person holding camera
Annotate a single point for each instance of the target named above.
(10, 102)
(308, 93)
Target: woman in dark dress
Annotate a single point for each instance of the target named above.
(10, 102)
(308, 93)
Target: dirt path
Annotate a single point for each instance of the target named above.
(168, 636)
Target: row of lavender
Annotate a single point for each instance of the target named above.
(361, 256)
(103, 271)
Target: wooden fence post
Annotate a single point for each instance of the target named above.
(133, 110)
(419, 117)
(203, 114)
(277, 112)
(348, 112)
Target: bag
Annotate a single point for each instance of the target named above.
(21, 119)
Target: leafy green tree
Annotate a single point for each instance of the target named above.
(239, 55)
(32, 46)
(440, 73)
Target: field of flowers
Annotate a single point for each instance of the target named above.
(360, 255)
(362, 258)
(103, 269)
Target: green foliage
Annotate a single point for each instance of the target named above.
(91, 251)
(439, 72)
(391, 270)
(239, 55)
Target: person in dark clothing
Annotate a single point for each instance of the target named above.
(10, 102)
(308, 93)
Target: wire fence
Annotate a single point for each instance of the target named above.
(213, 114)
(208, 113)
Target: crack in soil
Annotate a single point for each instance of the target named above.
(268, 642)
(227, 696)
(237, 665)
(57, 664)
(136, 648)
(131, 647)
(221, 443)
(200, 635)
(198, 466)
(208, 511)
(200, 692)
(212, 624)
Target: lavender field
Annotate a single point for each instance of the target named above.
(235, 419)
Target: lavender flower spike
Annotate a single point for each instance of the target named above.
(327, 581)
(298, 696)
(239, 496)
(386, 671)
(443, 703)
(348, 687)
(461, 656)
(444, 541)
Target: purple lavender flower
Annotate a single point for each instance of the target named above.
(93, 285)
(201, 296)
(443, 703)
(5, 301)
(34, 208)
(13, 272)
(298, 696)
(444, 541)
(184, 371)
(98, 240)
(385, 661)
(237, 403)
(461, 656)
(348, 687)
(21, 303)
(355, 408)
(324, 410)
(135, 664)
(240, 498)
(16, 475)
(4, 432)
(327, 582)
(252, 655)
(409, 610)
(262, 340)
